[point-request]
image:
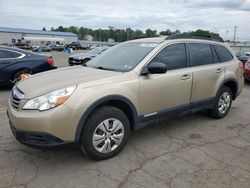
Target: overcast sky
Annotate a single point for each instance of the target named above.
(217, 16)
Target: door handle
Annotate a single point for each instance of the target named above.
(219, 70)
(186, 76)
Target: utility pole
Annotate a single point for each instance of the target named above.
(226, 34)
(100, 33)
(235, 29)
(127, 33)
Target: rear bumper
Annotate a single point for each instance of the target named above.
(247, 75)
(43, 68)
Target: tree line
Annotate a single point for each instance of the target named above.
(119, 35)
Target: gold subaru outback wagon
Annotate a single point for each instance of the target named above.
(128, 86)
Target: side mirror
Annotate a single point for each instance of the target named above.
(155, 68)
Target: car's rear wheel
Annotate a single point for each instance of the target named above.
(106, 133)
(17, 77)
(222, 104)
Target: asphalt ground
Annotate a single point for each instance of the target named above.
(190, 151)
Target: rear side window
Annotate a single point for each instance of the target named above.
(174, 56)
(215, 55)
(14, 54)
(4, 54)
(8, 54)
(201, 54)
(224, 54)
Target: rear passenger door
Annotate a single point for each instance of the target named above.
(208, 72)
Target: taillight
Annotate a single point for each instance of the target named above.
(241, 66)
(247, 65)
(50, 61)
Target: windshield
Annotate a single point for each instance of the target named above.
(122, 57)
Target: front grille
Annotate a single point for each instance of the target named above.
(16, 96)
(15, 102)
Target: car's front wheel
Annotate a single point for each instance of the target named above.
(106, 133)
(222, 104)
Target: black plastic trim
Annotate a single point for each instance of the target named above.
(175, 111)
(230, 80)
(39, 140)
(98, 103)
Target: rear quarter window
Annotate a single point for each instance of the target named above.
(223, 53)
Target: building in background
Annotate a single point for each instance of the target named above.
(14, 35)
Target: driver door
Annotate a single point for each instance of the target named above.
(162, 93)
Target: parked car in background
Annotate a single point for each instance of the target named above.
(127, 87)
(247, 54)
(83, 58)
(247, 71)
(244, 58)
(75, 45)
(42, 49)
(14, 62)
(56, 47)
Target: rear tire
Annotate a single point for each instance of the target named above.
(16, 76)
(106, 133)
(222, 104)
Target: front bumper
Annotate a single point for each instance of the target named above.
(37, 139)
(49, 128)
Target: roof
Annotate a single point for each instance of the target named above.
(31, 31)
(211, 37)
(151, 40)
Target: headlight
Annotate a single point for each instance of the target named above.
(49, 100)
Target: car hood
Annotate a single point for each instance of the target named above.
(45, 82)
(83, 55)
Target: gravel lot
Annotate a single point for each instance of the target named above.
(191, 151)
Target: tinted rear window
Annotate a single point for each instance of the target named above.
(4, 54)
(215, 55)
(14, 54)
(8, 54)
(224, 54)
(201, 54)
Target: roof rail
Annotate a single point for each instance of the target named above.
(193, 35)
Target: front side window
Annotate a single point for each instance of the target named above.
(122, 57)
(174, 56)
(224, 54)
(200, 54)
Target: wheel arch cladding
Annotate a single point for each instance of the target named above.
(233, 85)
(117, 101)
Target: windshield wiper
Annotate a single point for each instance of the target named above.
(105, 68)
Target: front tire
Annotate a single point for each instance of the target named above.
(222, 104)
(106, 133)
